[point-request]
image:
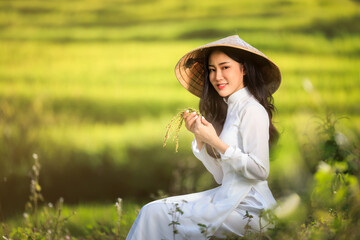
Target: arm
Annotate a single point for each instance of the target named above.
(210, 163)
(252, 159)
(199, 149)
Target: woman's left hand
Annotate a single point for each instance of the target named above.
(205, 132)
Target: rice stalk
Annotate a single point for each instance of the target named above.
(175, 126)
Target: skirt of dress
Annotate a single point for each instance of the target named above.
(160, 220)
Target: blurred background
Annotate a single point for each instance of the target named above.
(89, 86)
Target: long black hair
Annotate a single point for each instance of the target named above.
(213, 106)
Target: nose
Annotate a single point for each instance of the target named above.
(218, 75)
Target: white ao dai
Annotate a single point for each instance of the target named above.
(241, 172)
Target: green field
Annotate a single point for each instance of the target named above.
(90, 87)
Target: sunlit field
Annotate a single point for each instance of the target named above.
(89, 86)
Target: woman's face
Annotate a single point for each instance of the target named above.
(225, 74)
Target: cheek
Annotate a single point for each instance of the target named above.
(211, 75)
(211, 78)
(212, 84)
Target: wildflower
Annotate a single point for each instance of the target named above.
(35, 156)
(341, 139)
(118, 206)
(288, 206)
(324, 167)
(118, 203)
(307, 85)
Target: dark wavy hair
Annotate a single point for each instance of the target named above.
(213, 106)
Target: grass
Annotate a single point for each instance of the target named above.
(327, 209)
(91, 216)
(90, 87)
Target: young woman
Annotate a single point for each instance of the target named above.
(235, 83)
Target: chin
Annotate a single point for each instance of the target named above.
(223, 94)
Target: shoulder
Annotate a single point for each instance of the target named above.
(254, 112)
(253, 108)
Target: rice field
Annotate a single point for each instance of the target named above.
(90, 87)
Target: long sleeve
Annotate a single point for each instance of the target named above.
(210, 163)
(251, 158)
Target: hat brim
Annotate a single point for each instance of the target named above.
(190, 68)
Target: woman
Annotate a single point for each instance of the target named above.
(235, 83)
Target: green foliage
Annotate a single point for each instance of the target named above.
(175, 211)
(39, 225)
(76, 86)
(48, 222)
(89, 86)
(331, 203)
(332, 200)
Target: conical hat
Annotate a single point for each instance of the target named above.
(190, 69)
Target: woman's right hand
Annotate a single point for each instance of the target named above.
(191, 119)
(204, 132)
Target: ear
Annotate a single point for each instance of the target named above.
(243, 69)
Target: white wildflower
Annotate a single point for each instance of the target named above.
(288, 206)
(341, 139)
(324, 167)
(307, 85)
(118, 205)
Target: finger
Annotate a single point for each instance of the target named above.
(198, 126)
(193, 120)
(204, 121)
(198, 123)
(190, 116)
(190, 119)
(185, 114)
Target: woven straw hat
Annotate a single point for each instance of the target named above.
(190, 69)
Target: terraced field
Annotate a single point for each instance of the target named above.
(90, 87)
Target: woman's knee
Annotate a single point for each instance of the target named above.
(153, 208)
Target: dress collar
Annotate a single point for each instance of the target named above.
(238, 96)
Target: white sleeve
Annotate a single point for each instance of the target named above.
(252, 158)
(210, 163)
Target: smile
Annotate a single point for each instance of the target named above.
(221, 86)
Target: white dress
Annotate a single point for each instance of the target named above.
(241, 171)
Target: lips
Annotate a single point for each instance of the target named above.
(221, 85)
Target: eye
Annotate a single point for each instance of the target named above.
(226, 67)
(211, 70)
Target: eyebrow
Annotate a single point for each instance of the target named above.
(222, 63)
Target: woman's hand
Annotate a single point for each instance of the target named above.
(204, 132)
(190, 120)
